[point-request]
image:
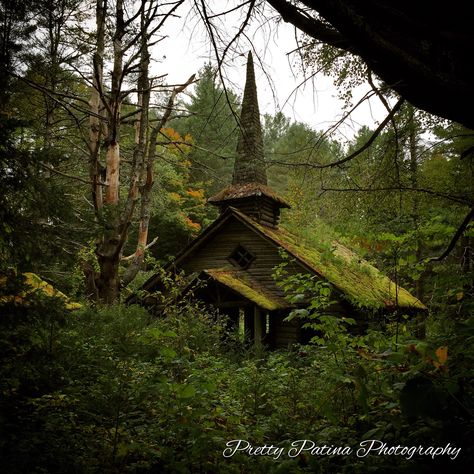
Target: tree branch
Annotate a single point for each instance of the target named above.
(311, 26)
(60, 173)
(456, 199)
(456, 237)
(356, 153)
(130, 257)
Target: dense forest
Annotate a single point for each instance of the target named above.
(105, 172)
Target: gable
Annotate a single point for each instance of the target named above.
(351, 275)
(217, 250)
(213, 248)
(361, 282)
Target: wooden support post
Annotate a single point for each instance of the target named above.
(249, 322)
(259, 325)
(271, 330)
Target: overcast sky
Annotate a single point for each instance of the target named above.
(187, 48)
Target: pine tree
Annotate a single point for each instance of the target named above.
(213, 127)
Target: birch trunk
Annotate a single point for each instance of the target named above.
(95, 126)
(109, 248)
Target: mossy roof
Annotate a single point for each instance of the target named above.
(35, 284)
(361, 282)
(246, 190)
(243, 284)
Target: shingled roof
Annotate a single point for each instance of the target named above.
(239, 191)
(353, 276)
(349, 274)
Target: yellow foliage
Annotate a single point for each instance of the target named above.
(442, 355)
(36, 284)
(175, 197)
(196, 193)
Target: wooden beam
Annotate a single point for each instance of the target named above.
(248, 322)
(258, 325)
(232, 304)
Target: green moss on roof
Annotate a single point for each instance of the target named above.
(361, 282)
(240, 282)
(35, 284)
(246, 190)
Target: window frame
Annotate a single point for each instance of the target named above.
(241, 257)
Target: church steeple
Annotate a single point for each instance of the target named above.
(249, 192)
(249, 164)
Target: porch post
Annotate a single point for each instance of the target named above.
(258, 321)
(249, 324)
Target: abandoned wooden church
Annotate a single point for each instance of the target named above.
(234, 258)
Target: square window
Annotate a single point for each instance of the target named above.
(241, 257)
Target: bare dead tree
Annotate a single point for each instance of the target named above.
(131, 35)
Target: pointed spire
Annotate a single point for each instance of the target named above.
(249, 192)
(249, 164)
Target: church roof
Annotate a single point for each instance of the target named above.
(360, 281)
(351, 275)
(242, 283)
(240, 191)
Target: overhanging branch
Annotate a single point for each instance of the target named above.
(455, 238)
(311, 26)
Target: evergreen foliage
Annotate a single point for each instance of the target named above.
(212, 124)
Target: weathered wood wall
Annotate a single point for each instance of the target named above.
(283, 334)
(215, 254)
(263, 209)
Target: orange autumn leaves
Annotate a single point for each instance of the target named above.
(188, 199)
(177, 144)
(437, 358)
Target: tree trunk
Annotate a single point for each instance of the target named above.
(112, 174)
(110, 244)
(147, 177)
(108, 284)
(96, 107)
(115, 211)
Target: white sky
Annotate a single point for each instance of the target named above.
(187, 48)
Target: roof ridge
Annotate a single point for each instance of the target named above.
(405, 299)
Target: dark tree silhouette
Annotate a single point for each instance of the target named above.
(421, 49)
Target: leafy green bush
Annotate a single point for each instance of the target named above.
(118, 390)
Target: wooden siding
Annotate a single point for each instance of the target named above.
(282, 334)
(265, 210)
(214, 253)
